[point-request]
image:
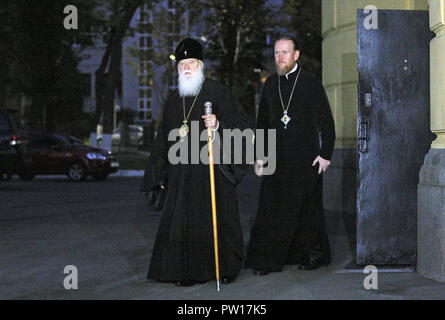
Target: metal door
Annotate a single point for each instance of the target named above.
(393, 133)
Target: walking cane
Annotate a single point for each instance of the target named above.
(208, 110)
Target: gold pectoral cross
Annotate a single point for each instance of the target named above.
(183, 130)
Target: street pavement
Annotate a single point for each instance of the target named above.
(107, 232)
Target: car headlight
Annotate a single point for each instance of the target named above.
(95, 156)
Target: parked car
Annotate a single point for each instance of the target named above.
(65, 154)
(135, 136)
(14, 148)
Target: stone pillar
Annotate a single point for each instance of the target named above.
(431, 188)
(340, 79)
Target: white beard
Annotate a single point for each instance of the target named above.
(189, 84)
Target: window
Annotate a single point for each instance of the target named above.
(144, 107)
(144, 115)
(147, 28)
(145, 14)
(145, 93)
(142, 81)
(145, 81)
(144, 104)
(145, 42)
(142, 55)
(145, 68)
(145, 54)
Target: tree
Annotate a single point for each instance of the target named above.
(305, 24)
(6, 16)
(41, 62)
(109, 72)
(236, 40)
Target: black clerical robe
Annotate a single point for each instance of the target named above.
(184, 248)
(289, 226)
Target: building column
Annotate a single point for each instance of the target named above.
(431, 188)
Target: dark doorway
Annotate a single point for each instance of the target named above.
(393, 133)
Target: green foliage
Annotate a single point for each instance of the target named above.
(236, 41)
(305, 24)
(39, 58)
(42, 60)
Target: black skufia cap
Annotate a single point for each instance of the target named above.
(188, 49)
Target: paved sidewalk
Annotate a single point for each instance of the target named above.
(107, 232)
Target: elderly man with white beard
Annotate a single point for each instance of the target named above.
(183, 252)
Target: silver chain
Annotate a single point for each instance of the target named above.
(291, 94)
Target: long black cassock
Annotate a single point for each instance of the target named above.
(289, 225)
(184, 248)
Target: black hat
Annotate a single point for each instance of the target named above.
(187, 49)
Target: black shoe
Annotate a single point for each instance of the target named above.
(313, 264)
(302, 262)
(260, 272)
(227, 280)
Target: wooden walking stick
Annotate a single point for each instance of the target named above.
(208, 110)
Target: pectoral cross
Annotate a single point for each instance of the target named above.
(285, 119)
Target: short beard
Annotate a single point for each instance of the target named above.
(189, 85)
(283, 71)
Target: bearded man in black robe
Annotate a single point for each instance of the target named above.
(290, 227)
(184, 249)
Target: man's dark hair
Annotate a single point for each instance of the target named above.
(291, 38)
